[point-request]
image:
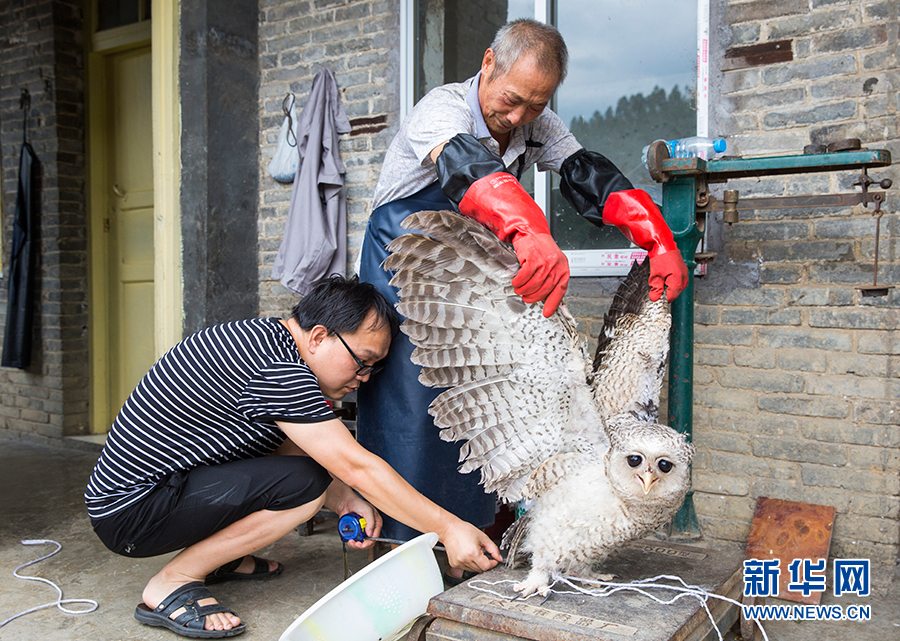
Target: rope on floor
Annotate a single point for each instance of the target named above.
(92, 605)
(607, 588)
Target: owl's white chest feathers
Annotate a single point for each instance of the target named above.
(577, 521)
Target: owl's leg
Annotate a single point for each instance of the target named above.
(537, 581)
(586, 564)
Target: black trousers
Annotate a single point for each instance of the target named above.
(188, 507)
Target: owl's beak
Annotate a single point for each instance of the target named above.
(647, 479)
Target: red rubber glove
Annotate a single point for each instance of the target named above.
(500, 203)
(636, 216)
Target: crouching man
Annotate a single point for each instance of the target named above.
(227, 444)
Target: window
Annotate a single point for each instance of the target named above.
(632, 79)
(118, 13)
(115, 24)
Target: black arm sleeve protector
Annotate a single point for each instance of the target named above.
(587, 179)
(463, 161)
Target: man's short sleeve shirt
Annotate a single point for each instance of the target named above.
(213, 398)
(453, 109)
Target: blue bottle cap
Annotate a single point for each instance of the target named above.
(719, 145)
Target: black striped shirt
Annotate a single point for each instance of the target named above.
(212, 398)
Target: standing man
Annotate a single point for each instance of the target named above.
(465, 146)
(227, 444)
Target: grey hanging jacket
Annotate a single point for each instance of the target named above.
(315, 234)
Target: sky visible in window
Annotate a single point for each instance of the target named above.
(618, 48)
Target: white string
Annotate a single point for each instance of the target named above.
(607, 588)
(59, 600)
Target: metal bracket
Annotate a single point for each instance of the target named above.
(864, 181)
(656, 153)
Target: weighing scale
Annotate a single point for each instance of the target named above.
(686, 201)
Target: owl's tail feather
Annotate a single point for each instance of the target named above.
(512, 539)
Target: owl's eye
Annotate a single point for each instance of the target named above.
(634, 460)
(665, 466)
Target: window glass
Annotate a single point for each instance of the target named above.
(632, 79)
(451, 37)
(118, 13)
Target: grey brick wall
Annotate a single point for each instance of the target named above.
(796, 374)
(358, 40)
(41, 50)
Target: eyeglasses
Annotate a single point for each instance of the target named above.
(363, 368)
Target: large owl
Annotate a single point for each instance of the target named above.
(535, 415)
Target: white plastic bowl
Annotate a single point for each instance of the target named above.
(378, 601)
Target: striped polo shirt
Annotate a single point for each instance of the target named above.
(211, 399)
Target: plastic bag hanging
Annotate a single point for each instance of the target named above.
(283, 166)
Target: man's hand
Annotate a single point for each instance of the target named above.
(342, 500)
(477, 180)
(500, 203)
(667, 270)
(543, 273)
(469, 548)
(637, 216)
(373, 522)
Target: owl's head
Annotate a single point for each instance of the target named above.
(647, 462)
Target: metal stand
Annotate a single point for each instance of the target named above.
(686, 200)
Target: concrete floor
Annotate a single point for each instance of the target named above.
(41, 498)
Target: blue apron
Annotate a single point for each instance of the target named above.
(392, 413)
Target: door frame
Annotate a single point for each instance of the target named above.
(162, 34)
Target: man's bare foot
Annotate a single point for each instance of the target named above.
(246, 568)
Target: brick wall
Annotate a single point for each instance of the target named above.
(358, 40)
(797, 375)
(41, 50)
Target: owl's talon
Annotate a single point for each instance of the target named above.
(535, 582)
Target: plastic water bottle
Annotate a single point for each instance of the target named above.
(696, 147)
(693, 147)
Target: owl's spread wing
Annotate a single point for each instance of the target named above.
(518, 392)
(632, 349)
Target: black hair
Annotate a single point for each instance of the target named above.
(342, 305)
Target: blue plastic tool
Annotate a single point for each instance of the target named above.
(352, 527)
